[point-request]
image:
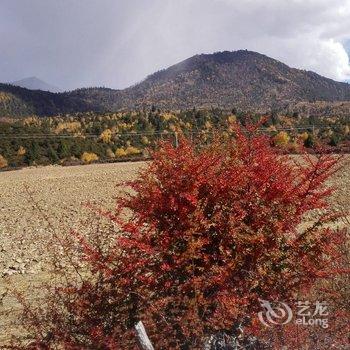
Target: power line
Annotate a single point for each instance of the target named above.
(161, 134)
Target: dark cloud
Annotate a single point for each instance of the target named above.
(74, 43)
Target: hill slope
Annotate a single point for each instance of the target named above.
(242, 79)
(16, 101)
(33, 83)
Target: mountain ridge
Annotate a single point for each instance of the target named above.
(34, 83)
(241, 79)
(236, 75)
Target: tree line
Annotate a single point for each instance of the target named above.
(88, 137)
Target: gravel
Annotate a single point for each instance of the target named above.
(35, 205)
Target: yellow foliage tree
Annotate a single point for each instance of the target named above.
(106, 136)
(4, 96)
(70, 127)
(3, 162)
(304, 136)
(131, 150)
(225, 135)
(282, 138)
(167, 116)
(231, 119)
(120, 152)
(21, 151)
(88, 157)
(31, 121)
(145, 140)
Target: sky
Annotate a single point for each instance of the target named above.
(117, 43)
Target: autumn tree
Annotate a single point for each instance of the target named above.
(281, 139)
(223, 229)
(131, 150)
(3, 162)
(21, 151)
(106, 136)
(89, 157)
(309, 142)
(203, 236)
(120, 152)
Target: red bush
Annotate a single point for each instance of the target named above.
(203, 235)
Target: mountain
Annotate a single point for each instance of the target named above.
(16, 101)
(33, 83)
(242, 79)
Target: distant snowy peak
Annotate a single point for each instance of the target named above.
(33, 83)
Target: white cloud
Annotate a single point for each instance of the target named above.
(308, 34)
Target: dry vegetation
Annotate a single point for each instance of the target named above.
(38, 203)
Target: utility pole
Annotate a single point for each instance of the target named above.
(176, 140)
(142, 337)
